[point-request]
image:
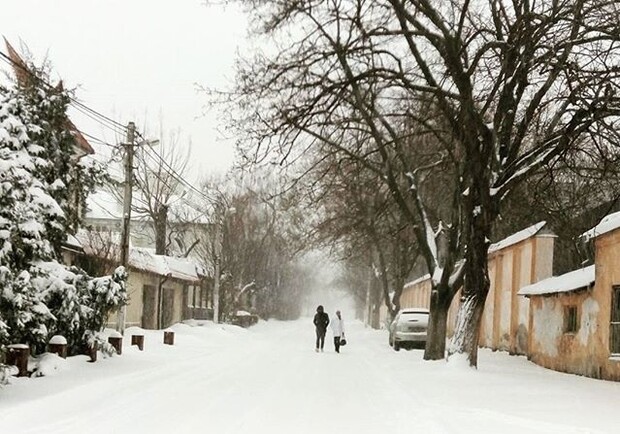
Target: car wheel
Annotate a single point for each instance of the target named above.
(396, 346)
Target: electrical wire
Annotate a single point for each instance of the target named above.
(175, 174)
(97, 140)
(83, 108)
(116, 127)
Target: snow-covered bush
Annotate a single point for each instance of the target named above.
(79, 303)
(23, 311)
(6, 371)
(51, 299)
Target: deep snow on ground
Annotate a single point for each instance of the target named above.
(268, 379)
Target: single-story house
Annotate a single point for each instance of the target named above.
(162, 289)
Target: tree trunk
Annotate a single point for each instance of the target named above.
(441, 298)
(161, 223)
(468, 321)
(480, 211)
(467, 332)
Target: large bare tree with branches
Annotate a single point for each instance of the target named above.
(513, 85)
(160, 193)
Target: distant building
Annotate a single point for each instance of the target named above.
(104, 214)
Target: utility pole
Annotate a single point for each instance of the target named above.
(217, 250)
(129, 152)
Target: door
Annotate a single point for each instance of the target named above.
(167, 307)
(149, 307)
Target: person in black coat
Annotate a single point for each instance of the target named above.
(321, 321)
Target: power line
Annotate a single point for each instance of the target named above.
(92, 113)
(176, 175)
(114, 128)
(112, 125)
(97, 140)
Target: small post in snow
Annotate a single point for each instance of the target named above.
(116, 340)
(168, 337)
(18, 355)
(138, 340)
(58, 345)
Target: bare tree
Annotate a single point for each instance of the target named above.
(160, 190)
(258, 246)
(356, 218)
(514, 85)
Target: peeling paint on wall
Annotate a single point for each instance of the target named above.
(548, 323)
(589, 322)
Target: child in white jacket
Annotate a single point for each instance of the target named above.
(337, 326)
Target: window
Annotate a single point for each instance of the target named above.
(190, 296)
(570, 319)
(614, 326)
(204, 299)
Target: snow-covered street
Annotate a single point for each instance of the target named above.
(268, 379)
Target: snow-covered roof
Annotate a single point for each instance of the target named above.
(608, 224)
(418, 280)
(178, 268)
(73, 242)
(568, 282)
(517, 237)
(142, 258)
(183, 268)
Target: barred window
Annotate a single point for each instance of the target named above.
(570, 319)
(614, 326)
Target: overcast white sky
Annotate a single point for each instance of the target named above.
(138, 60)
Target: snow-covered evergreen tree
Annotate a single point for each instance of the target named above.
(39, 183)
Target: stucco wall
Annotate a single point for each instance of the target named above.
(505, 321)
(135, 286)
(585, 352)
(552, 347)
(418, 295)
(607, 262)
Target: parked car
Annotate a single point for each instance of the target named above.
(409, 328)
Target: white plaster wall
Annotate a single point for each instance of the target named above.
(548, 324)
(589, 323)
(524, 311)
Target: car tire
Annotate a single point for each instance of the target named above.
(396, 346)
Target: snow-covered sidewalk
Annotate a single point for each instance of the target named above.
(268, 379)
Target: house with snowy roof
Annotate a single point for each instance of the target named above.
(575, 317)
(519, 260)
(162, 289)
